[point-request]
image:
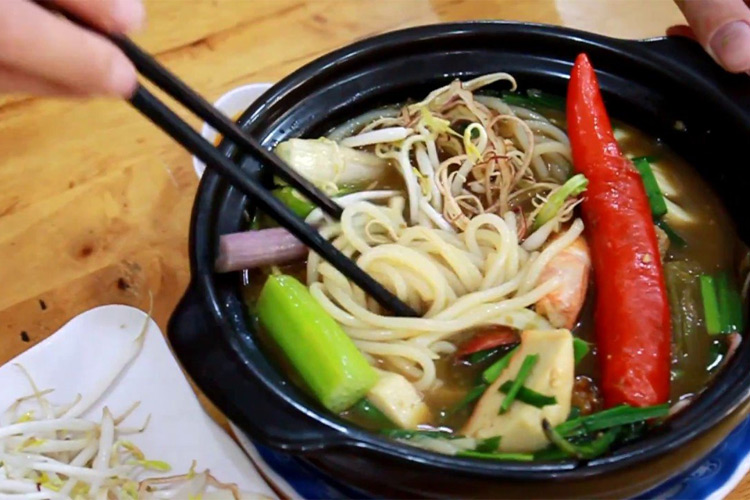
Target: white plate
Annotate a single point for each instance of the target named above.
(233, 102)
(80, 353)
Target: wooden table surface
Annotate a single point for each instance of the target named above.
(95, 202)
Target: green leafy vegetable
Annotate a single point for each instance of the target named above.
(481, 356)
(366, 409)
(469, 398)
(673, 236)
(710, 305)
(580, 349)
(572, 187)
(655, 196)
(613, 417)
(488, 445)
(529, 396)
(523, 373)
(534, 99)
(493, 371)
(586, 451)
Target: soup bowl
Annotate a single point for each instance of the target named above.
(667, 87)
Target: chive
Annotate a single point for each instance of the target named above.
(336, 372)
(469, 398)
(411, 434)
(495, 369)
(716, 353)
(710, 305)
(655, 197)
(367, 410)
(481, 356)
(619, 415)
(534, 99)
(586, 451)
(572, 187)
(523, 373)
(580, 349)
(550, 453)
(529, 396)
(673, 236)
(513, 457)
(649, 159)
(575, 412)
(488, 445)
(723, 293)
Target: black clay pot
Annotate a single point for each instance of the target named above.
(668, 87)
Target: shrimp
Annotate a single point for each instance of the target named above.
(572, 266)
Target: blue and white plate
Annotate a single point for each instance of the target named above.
(711, 479)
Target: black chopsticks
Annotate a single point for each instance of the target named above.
(156, 111)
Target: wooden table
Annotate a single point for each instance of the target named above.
(95, 202)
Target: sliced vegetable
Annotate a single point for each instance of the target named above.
(673, 236)
(529, 396)
(471, 396)
(253, 249)
(297, 203)
(580, 349)
(489, 338)
(523, 373)
(490, 374)
(325, 162)
(511, 457)
(572, 187)
(366, 409)
(684, 291)
(324, 356)
(613, 417)
(710, 305)
(634, 348)
(655, 196)
(585, 451)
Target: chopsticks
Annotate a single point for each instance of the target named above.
(156, 111)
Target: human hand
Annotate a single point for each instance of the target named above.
(43, 54)
(722, 27)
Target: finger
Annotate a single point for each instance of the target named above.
(681, 30)
(45, 45)
(12, 82)
(112, 15)
(723, 28)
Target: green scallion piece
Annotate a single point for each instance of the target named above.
(723, 294)
(469, 398)
(366, 409)
(613, 417)
(489, 445)
(580, 349)
(534, 99)
(655, 196)
(529, 396)
(511, 457)
(411, 434)
(710, 305)
(495, 369)
(482, 356)
(585, 451)
(649, 159)
(673, 236)
(523, 373)
(572, 187)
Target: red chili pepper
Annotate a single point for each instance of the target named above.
(633, 331)
(489, 338)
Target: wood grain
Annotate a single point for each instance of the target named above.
(95, 202)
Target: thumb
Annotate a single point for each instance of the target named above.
(723, 28)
